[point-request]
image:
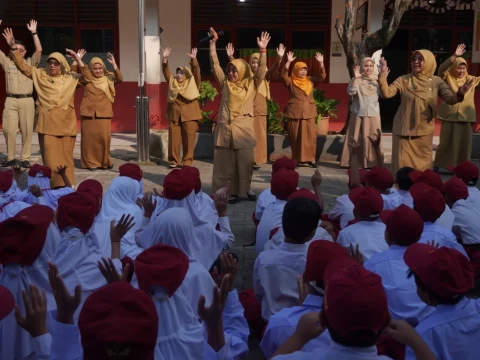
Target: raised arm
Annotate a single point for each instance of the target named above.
(352, 86)
(3, 58)
(451, 98)
(214, 63)
(386, 91)
(322, 73)
(273, 70)
(262, 42)
(195, 67)
(81, 53)
(37, 55)
(17, 59)
(118, 75)
(230, 52)
(285, 78)
(442, 69)
(86, 75)
(165, 68)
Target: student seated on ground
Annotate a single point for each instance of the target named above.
(468, 172)
(404, 183)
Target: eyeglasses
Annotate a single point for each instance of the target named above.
(53, 62)
(418, 58)
(232, 71)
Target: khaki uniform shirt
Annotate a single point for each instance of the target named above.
(15, 82)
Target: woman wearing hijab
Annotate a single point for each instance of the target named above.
(57, 123)
(96, 113)
(365, 114)
(183, 109)
(457, 120)
(413, 124)
(234, 136)
(301, 112)
(260, 103)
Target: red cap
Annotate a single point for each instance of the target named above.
(161, 265)
(304, 193)
(367, 201)
(362, 173)
(195, 174)
(133, 171)
(284, 183)
(380, 178)
(77, 210)
(6, 180)
(22, 237)
(446, 272)
(404, 225)
(284, 163)
(467, 171)
(177, 185)
(7, 302)
(429, 203)
(429, 177)
(43, 171)
(91, 186)
(455, 189)
(118, 315)
(354, 298)
(320, 254)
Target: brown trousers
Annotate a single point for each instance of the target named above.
(411, 151)
(95, 143)
(302, 135)
(58, 151)
(455, 144)
(235, 166)
(18, 114)
(260, 128)
(181, 133)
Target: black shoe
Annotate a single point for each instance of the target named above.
(25, 164)
(8, 163)
(256, 167)
(251, 197)
(311, 164)
(233, 199)
(436, 169)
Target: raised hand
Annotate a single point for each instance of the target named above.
(221, 201)
(460, 50)
(316, 179)
(8, 35)
(118, 231)
(32, 26)
(35, 191)
(263, 40)
(111, 58)
(355, 147)
(35, 320)
(230, 49)
(465, 87)
(61, 170)
(376, 139)
(229, 266)
(355, 253)
(81, 53)
(193, 54)
(158, 193)
(110, 273)
(213, 314)
(291, 57)
(67, 303)
(356, 72)
(319, 57)
(215, 35)
(382, 67)
(166, 52)
(281, 50)
(149, 205)
(436, 245)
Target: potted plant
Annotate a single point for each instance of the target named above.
(274, 118)
(326, 109)
(207, 93)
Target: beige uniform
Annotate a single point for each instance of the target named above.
(19, 111)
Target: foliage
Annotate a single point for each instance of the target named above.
(274, 118)
(325, 107)
(206, 116)
(207, 92)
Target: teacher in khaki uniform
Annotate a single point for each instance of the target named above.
(19, 111)
(183, 109)
(234, 136)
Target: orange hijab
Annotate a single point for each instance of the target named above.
(302, 83)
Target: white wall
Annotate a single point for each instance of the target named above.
(128, 33)
(175, 19)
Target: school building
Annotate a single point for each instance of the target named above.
(304, 26)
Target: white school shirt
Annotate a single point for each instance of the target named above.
(452, 331)
(283, 324)
(265, 198)
(271, 219)
(279, 237)
(335, 352)
(392, 200)
(342, 212)
(447, 219)
(401, 291)
(406, 197)
(370, 235)
(473, 191)
(467, 220)
(51, 196)
(275, 277)
(441, 236)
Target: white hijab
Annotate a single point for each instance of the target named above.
(10, 203)
(174, 227)
(16, 342)
(206, 208)
(51, 196)
(119, 199)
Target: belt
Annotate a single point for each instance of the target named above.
(19, 96)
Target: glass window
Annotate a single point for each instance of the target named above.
(98, 40)
(203, 55)
(55, 39)
(247, 40)
(311, 40)
(438, 41)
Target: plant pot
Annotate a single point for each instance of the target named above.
(322, 126)
(205, 127)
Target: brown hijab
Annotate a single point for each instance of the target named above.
(105, 82)
(455, 82)
(264, 87)
(240, 91)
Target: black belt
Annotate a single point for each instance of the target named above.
(19, 96)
